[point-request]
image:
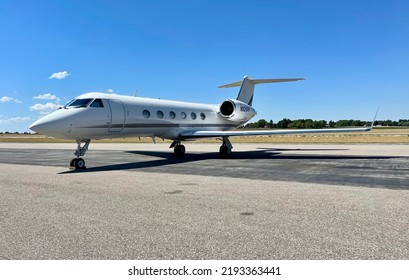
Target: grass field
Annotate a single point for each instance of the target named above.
(377, 135)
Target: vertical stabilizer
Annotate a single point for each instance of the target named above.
(246, 91)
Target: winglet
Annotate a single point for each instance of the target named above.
(374, 119)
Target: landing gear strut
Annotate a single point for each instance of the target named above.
(225, 148)
(79, 163)
(178, 148)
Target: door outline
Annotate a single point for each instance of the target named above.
(117, 115)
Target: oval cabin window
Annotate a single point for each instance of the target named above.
(146, 113)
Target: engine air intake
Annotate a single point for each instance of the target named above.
(227, 108)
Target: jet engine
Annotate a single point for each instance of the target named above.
(236, 111)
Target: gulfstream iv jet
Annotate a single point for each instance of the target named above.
(99, 115)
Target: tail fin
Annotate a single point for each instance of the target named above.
(247, 87)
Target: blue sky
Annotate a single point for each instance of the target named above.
(353, 54)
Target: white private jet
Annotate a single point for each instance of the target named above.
(99, 115)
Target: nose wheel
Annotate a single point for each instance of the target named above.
(79, 163)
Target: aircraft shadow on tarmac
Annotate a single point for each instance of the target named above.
(269, 164)
(168, 158)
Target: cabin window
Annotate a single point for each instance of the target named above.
(97, 103)
(146, 113)
(183, 115)
(172, 115)
(202, 116)
(193, 115)
(160, 114)
(78, 103)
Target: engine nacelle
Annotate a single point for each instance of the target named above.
(236, 111)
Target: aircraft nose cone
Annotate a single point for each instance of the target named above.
(43, 126)
(36, 126)
(49, 125)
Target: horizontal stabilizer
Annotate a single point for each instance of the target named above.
(261, 81)
(246, 91)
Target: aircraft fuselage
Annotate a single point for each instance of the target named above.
(127, 116)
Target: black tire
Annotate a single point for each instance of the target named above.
(182, 150)
(225, 152)
(80, 163)
(179, 150)
(73, 162)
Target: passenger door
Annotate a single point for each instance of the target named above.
(117, 115)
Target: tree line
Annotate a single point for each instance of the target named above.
(303, 123)
(309, 123)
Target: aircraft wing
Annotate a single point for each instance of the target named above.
(204, 134)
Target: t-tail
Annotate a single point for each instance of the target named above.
(247, 87)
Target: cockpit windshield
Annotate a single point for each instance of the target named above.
(78, 103)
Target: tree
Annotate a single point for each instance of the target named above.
(261, 123)
(283, 123)
(331, 124)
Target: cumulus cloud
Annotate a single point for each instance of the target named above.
(59, 75)
(13, 120)
(47, 96)
(6, 99)
(44, 107)
(9, 99)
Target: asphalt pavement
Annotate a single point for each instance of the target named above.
(267, 202)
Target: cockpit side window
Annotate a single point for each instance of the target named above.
(69, 103)
(78, 103)
(97, 103)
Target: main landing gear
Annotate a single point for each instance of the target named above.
(79, 163)
(225, 148)
(178, 148)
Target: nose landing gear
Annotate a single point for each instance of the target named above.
(79, 163)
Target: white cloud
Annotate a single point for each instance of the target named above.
(44, 107)
(59, 75)
(6, 99)
(47, 96)
(9, 99)
(110, 90)
(13, 120)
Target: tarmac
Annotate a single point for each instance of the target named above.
(269, 201)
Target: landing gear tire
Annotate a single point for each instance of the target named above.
(80, 163)
(77, 163)
(225, 152)
(179, 150)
